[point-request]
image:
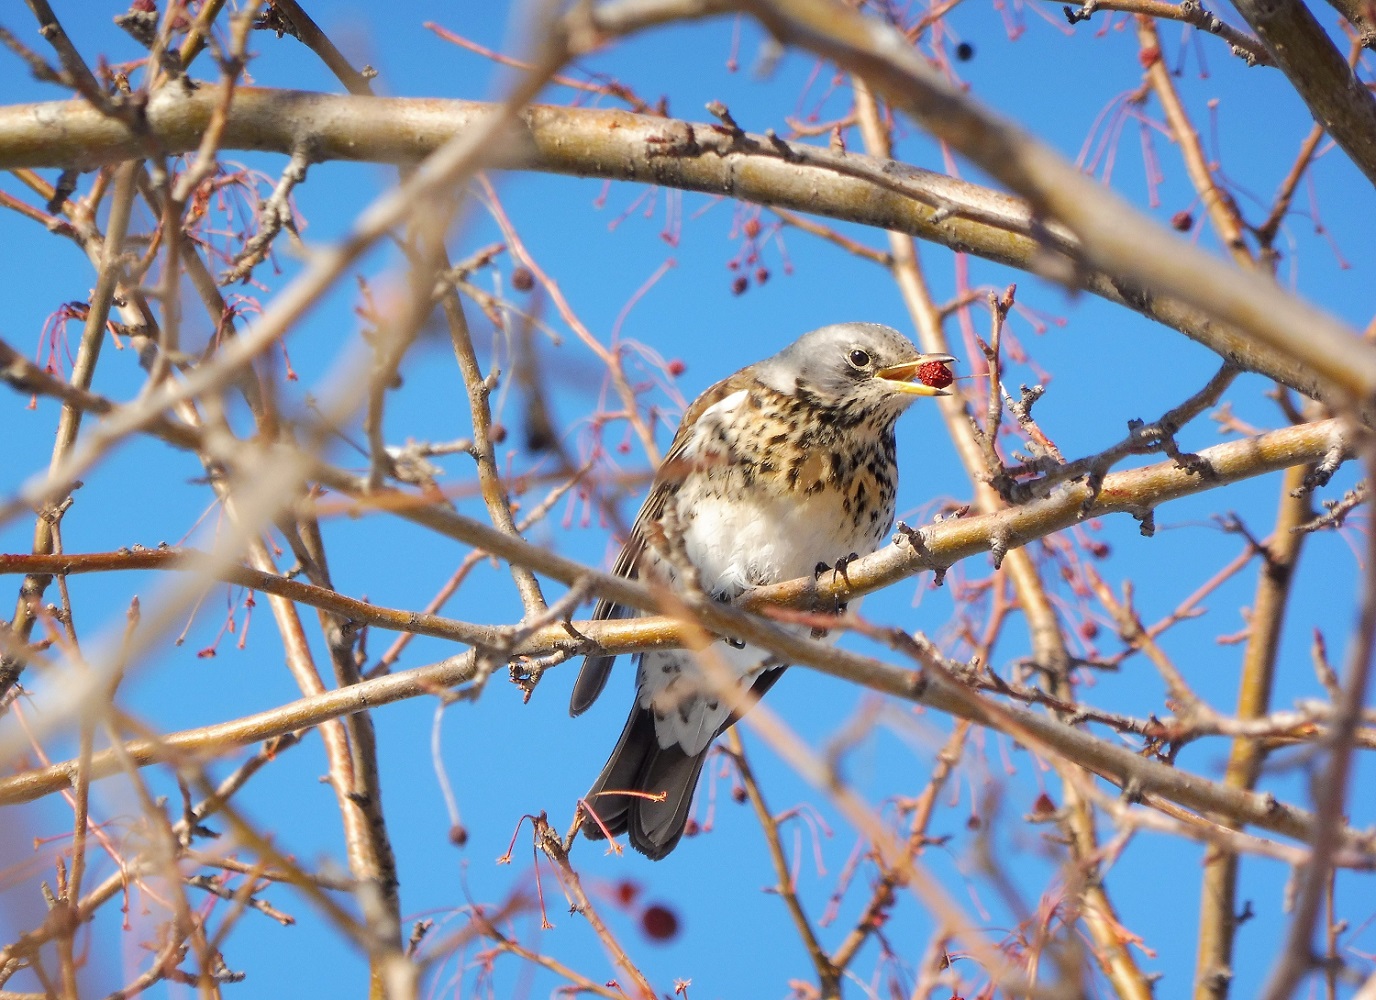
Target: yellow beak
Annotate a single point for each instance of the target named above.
(902, 375)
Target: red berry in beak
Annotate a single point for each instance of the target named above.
(935, 374)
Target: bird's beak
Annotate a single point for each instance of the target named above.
(902, 375)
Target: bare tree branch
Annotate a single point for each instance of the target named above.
(1336, 97)
(698, 157)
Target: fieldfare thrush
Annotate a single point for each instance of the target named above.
(787, 465)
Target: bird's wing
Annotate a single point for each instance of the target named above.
(592, 677)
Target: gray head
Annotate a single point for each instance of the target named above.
(851, 365)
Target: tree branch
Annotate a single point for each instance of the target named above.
(1335, 96)
(673, 153)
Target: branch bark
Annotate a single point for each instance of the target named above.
(1329, 87)
(702, 157)
(940, 545)
(1113, 235)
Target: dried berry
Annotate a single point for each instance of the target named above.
(675, 367)
(522, 280)
(934, 374)
(751, 228)
(1182, 221)
(659, 923)
(965, 52)
(739, 286)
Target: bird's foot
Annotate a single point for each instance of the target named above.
(839, 569)
(730, 640)
(843, 564)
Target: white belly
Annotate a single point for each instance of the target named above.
(736, 546)
(744, 544)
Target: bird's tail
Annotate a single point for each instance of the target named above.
(664, 779)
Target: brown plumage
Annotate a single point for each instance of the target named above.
(785, 465)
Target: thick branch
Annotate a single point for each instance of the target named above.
(940, 545)
(646, 149)
(1114, 236)
(931, 686)
(1336, 97)
(1137, 491)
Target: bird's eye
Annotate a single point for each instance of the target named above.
(859, 359)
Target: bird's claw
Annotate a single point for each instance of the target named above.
(838, 568)
(843, 564)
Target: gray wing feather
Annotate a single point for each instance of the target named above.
(592, 676)
(597, 667)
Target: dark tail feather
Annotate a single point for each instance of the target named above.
(656, 827)
(621, 773)
(639, 765)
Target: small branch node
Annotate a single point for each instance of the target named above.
(719, 111)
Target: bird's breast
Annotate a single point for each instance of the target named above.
(747, 525)
(775, 487)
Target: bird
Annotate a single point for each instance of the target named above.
(784, 469)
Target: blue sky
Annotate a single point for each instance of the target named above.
(506, 759)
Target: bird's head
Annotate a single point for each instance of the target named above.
(864, 366)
